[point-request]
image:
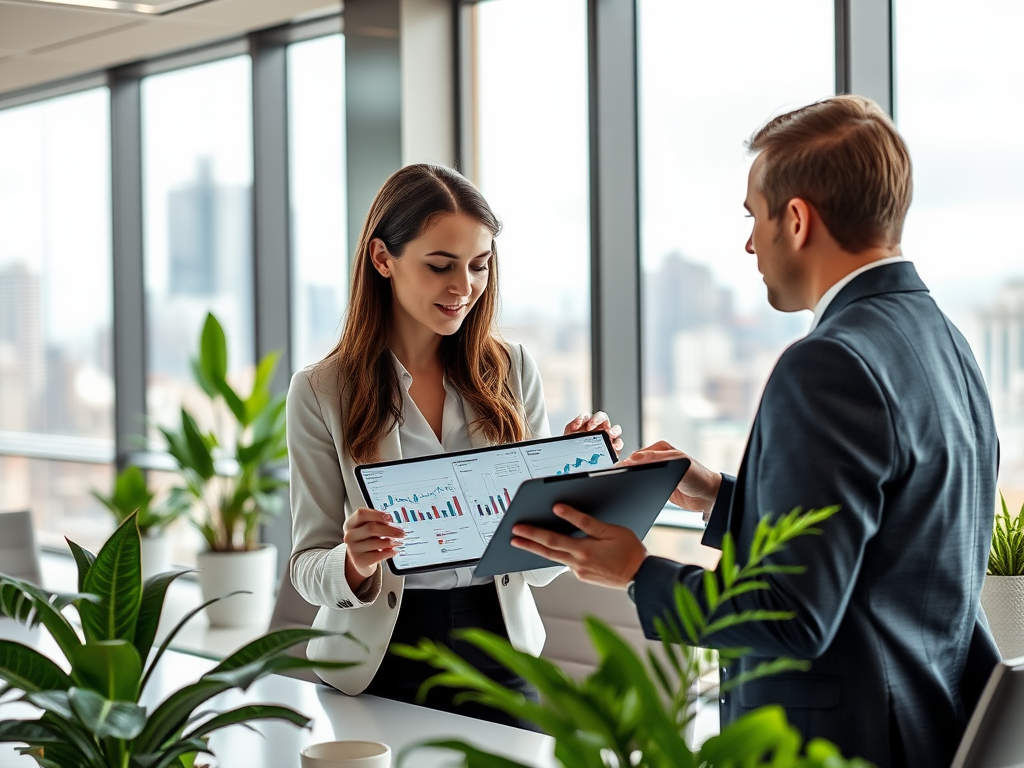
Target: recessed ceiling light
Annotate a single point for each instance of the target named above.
(151, 8)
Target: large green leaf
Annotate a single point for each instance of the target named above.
(83, 559)
(246, 714)
(28, 670)
(46, 609)
(106, 718)
(112, 668)
(116, 578)
(199, 456)
(269, 646)
(177, 754)
(151, 606)
(213, 350)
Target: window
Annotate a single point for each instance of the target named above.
(197, 188)
(710, 74)
(56, 342)
(316, 138)
(532, 165)
(959, 105)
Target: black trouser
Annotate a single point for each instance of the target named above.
(433, 614)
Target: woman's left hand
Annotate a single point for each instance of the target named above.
(586, 422)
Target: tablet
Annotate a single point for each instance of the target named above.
(451, 504)
(630, 496)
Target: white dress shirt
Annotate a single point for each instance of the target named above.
(418, 439)
(832, 292)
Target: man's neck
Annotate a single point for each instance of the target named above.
(837, 265)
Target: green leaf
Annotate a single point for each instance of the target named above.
(83, 559)
(200, 457)
(28, 670)
(213, 351)
(116, 578)
(246, 714)
(271, 645)
(176, 754)
(112, 668)
(46, 609)
(105, 718)
(154, 591)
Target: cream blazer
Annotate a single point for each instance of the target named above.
(324, 491)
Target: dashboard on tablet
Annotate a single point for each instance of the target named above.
(450, 505)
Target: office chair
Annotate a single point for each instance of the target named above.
(19, 554)
(995, 736)
(291, 610)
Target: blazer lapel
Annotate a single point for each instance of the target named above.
(391, 446)
(476, 436)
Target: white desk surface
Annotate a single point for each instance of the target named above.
(335, 716)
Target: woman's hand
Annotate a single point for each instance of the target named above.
(586, 422)
(370, 538)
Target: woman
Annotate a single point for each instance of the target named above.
(418, 371)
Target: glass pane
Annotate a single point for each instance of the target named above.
(197, 187)
(58, 494)
(56, 367)
(532, 164)
(959, 86)
(316, 145)
(710, 338)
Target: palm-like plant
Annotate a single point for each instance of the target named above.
(634, 712)
(1006, 557)
(131, 495)
(91, 716)
(230, 489)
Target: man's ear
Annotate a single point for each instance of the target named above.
(380, 257)
(798, 222)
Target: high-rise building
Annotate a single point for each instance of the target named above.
(22, 356)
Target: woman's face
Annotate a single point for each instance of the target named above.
(440, 275)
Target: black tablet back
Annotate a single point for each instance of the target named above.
(629, 496)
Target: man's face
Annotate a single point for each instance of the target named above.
(776, 261)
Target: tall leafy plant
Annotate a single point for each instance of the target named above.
(131, 495)
(633, 711)
(1006, 557)
(90, 711)
(225, 470)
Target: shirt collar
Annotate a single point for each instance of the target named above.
(832, 292)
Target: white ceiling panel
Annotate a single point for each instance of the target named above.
(17, 72)
(148, 38)
(257, 13)
(25, 28)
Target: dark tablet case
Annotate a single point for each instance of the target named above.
(629, 496)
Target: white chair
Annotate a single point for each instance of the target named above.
(19, 553)
(995, 737)
(291, 610)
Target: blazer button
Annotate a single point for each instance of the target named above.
(505, 580)
(392, 600)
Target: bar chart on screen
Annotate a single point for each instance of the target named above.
(429, 499)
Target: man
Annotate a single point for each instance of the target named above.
(881, 409)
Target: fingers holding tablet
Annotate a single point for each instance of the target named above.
(370, 537)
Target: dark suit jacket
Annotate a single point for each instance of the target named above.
(881, 409)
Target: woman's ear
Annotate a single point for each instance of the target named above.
(380, 257)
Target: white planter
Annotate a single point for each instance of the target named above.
(1002, 597)
(156, 554)
(221, 573)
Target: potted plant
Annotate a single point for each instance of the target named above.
(635, 712)
(1002, 594)
(228, 482)
(131, 495)
(91, 716)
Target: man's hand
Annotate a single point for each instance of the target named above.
(698, 488)
(609, 556)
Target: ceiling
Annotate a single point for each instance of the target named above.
(42, 42)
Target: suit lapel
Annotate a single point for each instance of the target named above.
(391, 446)
(476, 436)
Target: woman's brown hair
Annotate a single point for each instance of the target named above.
(475, 361)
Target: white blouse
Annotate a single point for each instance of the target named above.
(418, 439)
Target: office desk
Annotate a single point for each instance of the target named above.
(335, 716)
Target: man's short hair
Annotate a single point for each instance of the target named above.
(844, 156)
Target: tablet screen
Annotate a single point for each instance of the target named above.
(450, 505)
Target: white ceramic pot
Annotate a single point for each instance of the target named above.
(156, 554)
(1002, 597)
(221, 573)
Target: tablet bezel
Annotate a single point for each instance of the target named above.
(455, 455)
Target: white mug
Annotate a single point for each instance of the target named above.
(346, 754)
